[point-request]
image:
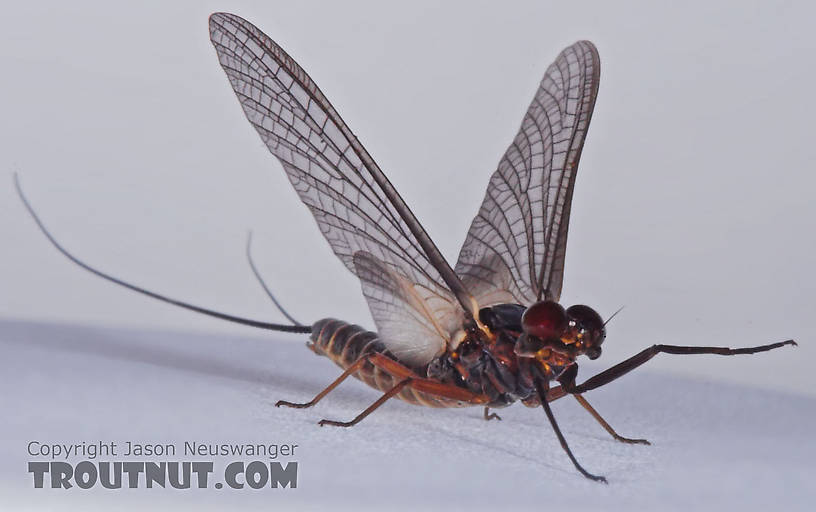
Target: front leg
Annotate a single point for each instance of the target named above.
(567, 379)
(568, 376)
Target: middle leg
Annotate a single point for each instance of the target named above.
(541, 388)
(604, 424)
(490, 415)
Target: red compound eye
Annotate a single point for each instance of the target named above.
(546, 319)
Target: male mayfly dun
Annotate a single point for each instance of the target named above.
(488, 331)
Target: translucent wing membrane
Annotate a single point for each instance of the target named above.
(357, 209)
(514, 250)
(416, 323)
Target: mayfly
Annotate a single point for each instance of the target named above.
(488, 331)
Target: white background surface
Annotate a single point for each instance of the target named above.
(693, 206)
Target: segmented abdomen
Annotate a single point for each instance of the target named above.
(345, 343)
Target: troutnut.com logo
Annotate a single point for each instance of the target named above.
(86, 465)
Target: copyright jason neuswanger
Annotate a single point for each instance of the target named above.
(186, 465)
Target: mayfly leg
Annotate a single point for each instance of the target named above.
(541, 388)
(490, 415)
(426, 386)
(605, 377)
(350, 370)
(386, 396)
(605, 425)
(406, 378)
(568, 385)
(393, 368)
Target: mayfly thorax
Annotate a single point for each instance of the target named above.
(488, 331)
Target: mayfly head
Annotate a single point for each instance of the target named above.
(578, 329)
(586, 330)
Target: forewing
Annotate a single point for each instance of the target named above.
(514, 250)
(330, 170)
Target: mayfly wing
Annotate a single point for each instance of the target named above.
(356, 207)
(514, 250)
(415, 323)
